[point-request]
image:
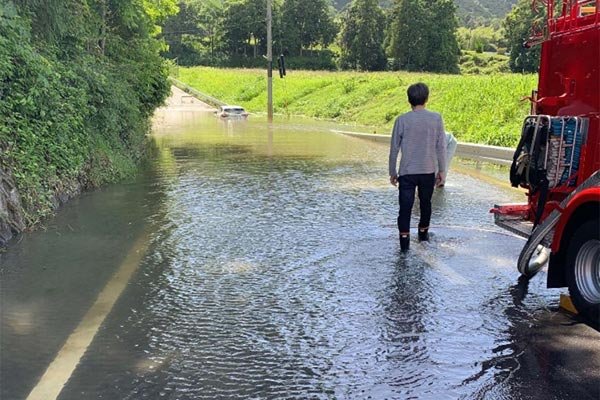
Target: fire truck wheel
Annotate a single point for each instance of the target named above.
(583, 270)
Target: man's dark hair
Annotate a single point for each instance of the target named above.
(418, 94)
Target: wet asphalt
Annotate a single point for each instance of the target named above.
(269, 268)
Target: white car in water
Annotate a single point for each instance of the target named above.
(232, 112)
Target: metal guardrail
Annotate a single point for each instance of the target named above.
(197, 94)
(492, 154)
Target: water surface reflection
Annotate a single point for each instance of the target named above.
(274, 272)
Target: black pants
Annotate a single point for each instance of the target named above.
(407, 185)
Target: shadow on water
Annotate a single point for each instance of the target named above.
(506, 360)
(410, 296)
(538, 358)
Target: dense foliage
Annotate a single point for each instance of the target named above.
(477, 108)
(361, 38)
(422, 36)
(197, 25)
(366, 35)
(491, 38)
(79, 80)
(518, 25)
(307, 23)
(231, 33)
(474, 63)
(243, 27)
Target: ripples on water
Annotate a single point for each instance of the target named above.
(274, 272)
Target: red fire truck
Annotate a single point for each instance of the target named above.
(558, 157)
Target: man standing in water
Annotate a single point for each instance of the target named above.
(419, 136)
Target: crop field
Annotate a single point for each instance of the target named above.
(484, 109)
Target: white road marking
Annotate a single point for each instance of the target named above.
(450, 274)
(60, 370)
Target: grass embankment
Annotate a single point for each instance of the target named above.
(479, 109)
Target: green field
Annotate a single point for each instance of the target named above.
(476, 108)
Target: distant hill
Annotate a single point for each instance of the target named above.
(484, 8)
(466, 8)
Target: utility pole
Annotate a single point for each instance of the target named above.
(270, 60)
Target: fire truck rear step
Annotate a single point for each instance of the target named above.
(518, 226)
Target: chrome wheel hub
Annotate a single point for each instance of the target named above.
(587, 271)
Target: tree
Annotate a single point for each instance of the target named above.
(443, 48)
(421, 35)
(407, 39)
(209, 22)
(180, 32)
(361, 37)
(68, 22)
(307, 23)
(195, 33)
(244, 26)
(518, 24)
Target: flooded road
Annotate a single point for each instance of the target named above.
(264, 263)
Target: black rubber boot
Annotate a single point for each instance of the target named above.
(404, 243)
(423, 235)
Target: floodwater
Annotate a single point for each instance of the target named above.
(267, 266)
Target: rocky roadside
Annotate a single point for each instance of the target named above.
(11, 210)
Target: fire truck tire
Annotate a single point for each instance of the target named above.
(583, 270)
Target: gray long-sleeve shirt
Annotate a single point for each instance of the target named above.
(419, 135)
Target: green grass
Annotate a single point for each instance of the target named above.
(476, 108)
(472, 62)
